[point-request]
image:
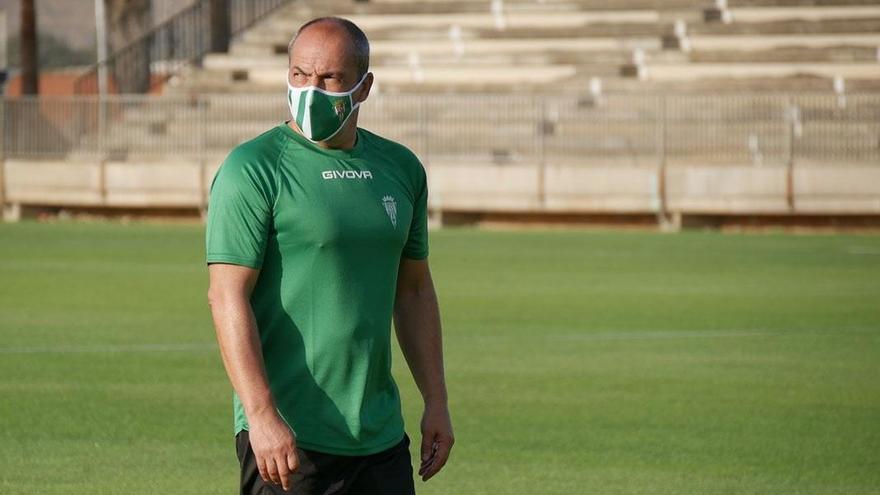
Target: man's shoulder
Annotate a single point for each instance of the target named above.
(397, 153)
(388, 146)
(254, 161)
(262, 150)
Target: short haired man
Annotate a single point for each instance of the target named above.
(316, 236)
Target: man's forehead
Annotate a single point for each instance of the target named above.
(319, 62)
(323, 44)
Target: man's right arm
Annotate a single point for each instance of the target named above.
(271, 439)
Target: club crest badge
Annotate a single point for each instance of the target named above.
(390, 205)
(339, 108)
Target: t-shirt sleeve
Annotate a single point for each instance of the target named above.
(239, 212)
(416, 246)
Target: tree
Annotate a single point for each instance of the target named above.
(220, 27)
(30, 71)
(129, 22)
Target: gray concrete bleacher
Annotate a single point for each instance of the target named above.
(576, 48)
(562, 105)
(526, 46)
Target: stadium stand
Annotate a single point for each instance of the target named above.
(635, 107)
(517, 45)
(609, 63)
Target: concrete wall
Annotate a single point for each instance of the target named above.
(837, 189)
(727, 189)
(692, 189)
(574, 188)
(52, 182)
(485, 186)
(132, 184)
(176, 184)
(601, 188)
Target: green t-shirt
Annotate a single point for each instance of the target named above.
(328, 229)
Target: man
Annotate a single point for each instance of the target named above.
(316, 237)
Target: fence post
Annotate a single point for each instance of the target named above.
(423, 131)
(790, 116)
(202, 156)
(2, 158)
(542, 152)
(662, 213)
(102, 102)
(102, 124)
(434, 196)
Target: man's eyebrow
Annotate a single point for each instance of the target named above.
(331, 73)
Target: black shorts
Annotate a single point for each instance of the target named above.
(388, 472)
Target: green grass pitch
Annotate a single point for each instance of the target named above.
(577, 362)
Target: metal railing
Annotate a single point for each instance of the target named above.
(754, 129)
(182, 39)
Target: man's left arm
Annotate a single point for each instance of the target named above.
(417, 324)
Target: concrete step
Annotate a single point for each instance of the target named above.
(514, 20)
(812, 13)
(457, 76)
(798, 3)
(858, 25)
(281, 35)
(577, 85)
(771, 70)
(724, 85)
(768, 42)
(348, 8)
(584, 59)
(443, 46)
(600, 61)
(842, 54)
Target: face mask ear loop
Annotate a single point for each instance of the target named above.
(354, 106)
(357, 86)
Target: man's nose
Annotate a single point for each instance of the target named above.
(315, 80)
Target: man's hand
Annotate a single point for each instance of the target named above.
(437, 439)
(274, 448)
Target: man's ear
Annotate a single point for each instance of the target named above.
(365, 87)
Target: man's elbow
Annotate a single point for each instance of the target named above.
(213, 297)
(219, 297)
(414, 293)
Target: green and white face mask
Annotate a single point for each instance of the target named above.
(320, 114)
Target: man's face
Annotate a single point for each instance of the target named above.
(323, 56)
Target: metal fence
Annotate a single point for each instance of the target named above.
(755, 129)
